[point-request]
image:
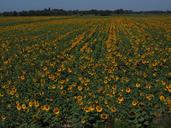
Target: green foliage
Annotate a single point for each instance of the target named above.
(82, 72)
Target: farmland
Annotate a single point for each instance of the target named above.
(84, 71)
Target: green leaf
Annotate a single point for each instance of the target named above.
(146, 123)
(141, 119)
(138, 125)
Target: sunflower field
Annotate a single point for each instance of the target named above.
(85, 72)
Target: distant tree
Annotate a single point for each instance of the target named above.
(61, 12)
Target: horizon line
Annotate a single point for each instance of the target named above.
(86, 10)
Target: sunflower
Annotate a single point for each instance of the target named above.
(131, 114)
(149, 97)
(169, 102)
(168, 87)
(18, 106)
(45, 68)
(23, 106)
(105, 81)
(113, 109)
(14, 90)
(137, 85)
(46, 108)
(80, 102)
(104, 116)
(99, 109)
(87, 109)
(22, 77)
(154, 64)
(120, 99)
(83, 120)
(1, 95)
(36, 104)
(3, 117)
(56, 111)
(162, 98)
(80, 88)
(31, 103)
(92, 108)
(128, 90)
(134, 102)
(79, 98)
(63, 92)
(69, 70)
(69, 88)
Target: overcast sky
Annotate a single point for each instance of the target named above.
(10, 5)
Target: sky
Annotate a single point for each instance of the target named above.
(136, 5)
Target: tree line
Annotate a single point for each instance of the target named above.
(61, 12)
